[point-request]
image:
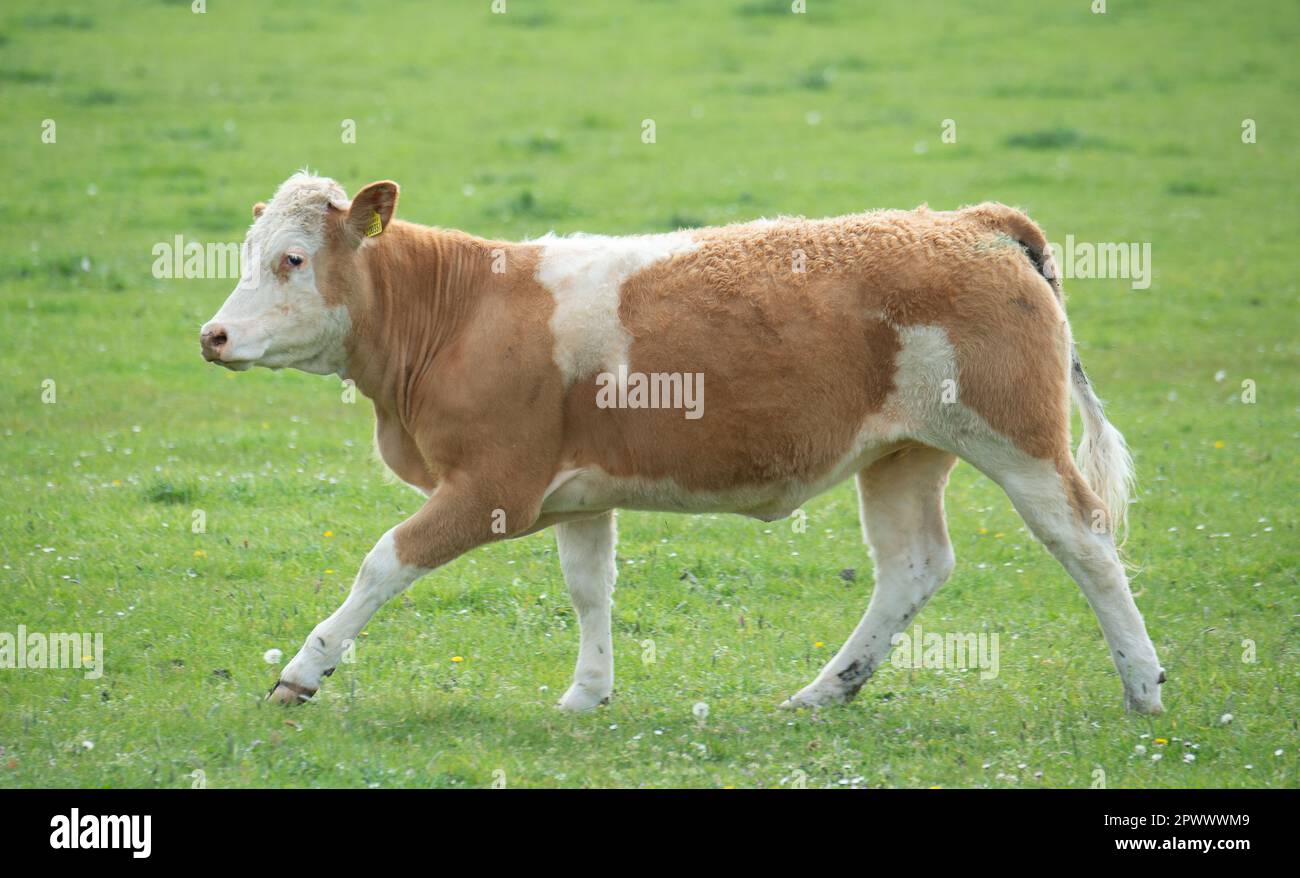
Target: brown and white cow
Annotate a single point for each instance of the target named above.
(881, 346)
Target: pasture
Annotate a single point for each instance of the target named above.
(199, 519)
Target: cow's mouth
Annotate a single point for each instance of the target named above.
(234, 365)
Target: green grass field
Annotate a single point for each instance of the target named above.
(1124, 127)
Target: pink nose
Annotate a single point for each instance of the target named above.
(213, 341)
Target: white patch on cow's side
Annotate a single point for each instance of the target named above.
(925, 370)
(585, 273)
(926, 404)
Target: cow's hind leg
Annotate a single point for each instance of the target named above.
(1068, 517)
(587, 559)
(901, 499)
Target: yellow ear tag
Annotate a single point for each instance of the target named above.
(376, 226)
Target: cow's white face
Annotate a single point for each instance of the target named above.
(277, 316)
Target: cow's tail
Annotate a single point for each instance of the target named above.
(1103, 456)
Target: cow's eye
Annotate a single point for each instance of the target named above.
(293, 259)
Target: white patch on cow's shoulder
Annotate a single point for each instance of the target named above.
(585, 273)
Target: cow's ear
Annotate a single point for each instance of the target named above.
(372, 209)
(258, 208)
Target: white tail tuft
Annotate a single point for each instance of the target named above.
(1103, 455)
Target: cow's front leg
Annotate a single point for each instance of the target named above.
(449, 524)
(587, 558)
(382, 576)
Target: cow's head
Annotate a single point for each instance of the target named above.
(291, 306)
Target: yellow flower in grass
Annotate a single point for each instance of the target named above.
(457, 659)
(329, 533)
(199, 553)
(1160, 742)
(818, 645)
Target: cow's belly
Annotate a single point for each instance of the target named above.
(591, 489)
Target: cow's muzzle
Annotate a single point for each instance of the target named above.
(213, 340)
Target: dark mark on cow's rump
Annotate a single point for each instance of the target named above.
(1035, 257)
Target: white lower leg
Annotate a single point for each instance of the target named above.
(587, 559)
(381, 577)
(1106, 588)
(901, 502)
(902, 588)
(1092, 561)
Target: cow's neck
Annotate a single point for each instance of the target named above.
(417, 293)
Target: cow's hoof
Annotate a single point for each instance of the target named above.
(815, 695)
(580, 698)
(284, 692)
(1147, 703)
